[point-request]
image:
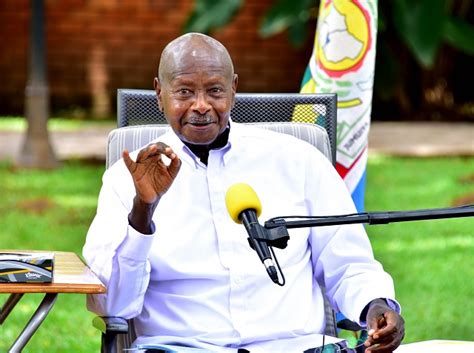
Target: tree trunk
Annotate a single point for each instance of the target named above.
(37, 151)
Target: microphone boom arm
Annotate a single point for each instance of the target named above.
(275, 230)
(369, 218)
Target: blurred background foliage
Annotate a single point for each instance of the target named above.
(425, 50)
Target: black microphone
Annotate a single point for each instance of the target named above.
(244, 207)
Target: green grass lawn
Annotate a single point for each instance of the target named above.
(14, 123)
(50, 211)
(432, 262)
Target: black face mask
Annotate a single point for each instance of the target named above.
(202, 151)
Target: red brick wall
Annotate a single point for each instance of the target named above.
(97, 46)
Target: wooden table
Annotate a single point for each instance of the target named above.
(70, 275)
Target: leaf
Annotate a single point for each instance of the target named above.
(291, 15)
(387, 72)
(297, 33)
(459, 34)
(209, 15)
(420, 25)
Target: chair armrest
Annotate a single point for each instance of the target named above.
(115, 333)
(110, 324)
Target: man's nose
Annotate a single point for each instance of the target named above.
(201, 105)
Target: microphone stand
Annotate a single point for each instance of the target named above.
(275, 230)
(373, 217)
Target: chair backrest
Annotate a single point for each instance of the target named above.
(135, 137)
(140, 107)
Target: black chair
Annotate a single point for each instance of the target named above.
(311, 117)
(139, 107)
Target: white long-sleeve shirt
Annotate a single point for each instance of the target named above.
(196, 281)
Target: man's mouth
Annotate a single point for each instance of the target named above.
(200, 120)
(203, 123)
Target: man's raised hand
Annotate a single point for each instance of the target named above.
(151, 176)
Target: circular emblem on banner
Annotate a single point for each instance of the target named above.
(343, 37)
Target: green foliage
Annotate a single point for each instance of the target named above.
(423, 34)
(209, 15)
(425, 25)
(459, 34)
(288, 15)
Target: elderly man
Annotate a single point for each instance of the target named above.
(172, 258)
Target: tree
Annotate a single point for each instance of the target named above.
(37, 151)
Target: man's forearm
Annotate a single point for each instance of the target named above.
(141, 215)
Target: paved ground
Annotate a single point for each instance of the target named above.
(422, 139)
(392, 138)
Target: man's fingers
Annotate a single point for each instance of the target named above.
(388, 330)
(174, 165)
(154, 150)
(389, 325)
(159, 148)
(147, 152)
(386, 344)
(374, 324)
(385, 334)
(129, 163)
(382, 347)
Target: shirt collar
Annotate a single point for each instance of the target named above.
(189, 157)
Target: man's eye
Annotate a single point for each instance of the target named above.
(184, 91)
(216, 90)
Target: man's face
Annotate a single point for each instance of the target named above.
(196, 95)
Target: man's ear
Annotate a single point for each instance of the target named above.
(235, 81)
(157, 86)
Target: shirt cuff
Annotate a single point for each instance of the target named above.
(136, 245)
(394, 305)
